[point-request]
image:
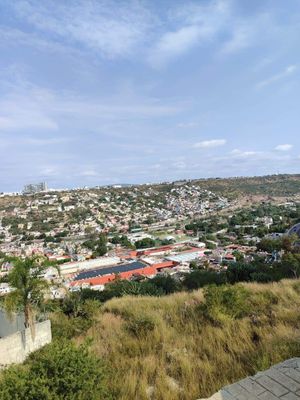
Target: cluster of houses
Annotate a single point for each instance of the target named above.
(57, 225)
(173, 259)
(58, 222)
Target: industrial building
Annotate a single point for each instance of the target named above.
(101, 277)
(75, 266)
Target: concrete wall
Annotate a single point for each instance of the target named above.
(16, 347)
(10, 325)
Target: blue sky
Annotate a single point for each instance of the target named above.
(100, 92)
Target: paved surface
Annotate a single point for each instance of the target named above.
(282, 381)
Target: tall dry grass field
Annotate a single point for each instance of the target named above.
(171, 348)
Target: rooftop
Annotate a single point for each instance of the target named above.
(110, 270)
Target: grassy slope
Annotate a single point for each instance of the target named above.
(185, 356)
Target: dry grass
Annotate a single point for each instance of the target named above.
(165, 349)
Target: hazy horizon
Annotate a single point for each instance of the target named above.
(126, 184)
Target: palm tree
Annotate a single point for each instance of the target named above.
(29, 289)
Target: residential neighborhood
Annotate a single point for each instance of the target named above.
(97, 235)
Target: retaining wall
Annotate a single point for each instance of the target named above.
(16, 347)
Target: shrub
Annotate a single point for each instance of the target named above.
(75, 315)
(261, 277)
(145, 243)
(167, 284)
(59, 371)
(238, 272)
(140, 326)
(67, 328)
(120, 288)
(225, 302)
(199, 278)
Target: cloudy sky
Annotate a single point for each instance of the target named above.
(101, 91)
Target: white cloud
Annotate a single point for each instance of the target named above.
(284, 147)
(120, 29)
(173, 44)
(205, 144)
(216, 22)
(248, 31)
(195, 25)
(244, 154)
(277, 77)
(113, 29)
(26, 106)
(210, 15)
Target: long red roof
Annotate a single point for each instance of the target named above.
(147, 271)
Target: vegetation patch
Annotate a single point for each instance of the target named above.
(58, 371)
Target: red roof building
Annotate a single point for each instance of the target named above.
(150, 270)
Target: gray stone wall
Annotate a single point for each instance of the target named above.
(16, 347)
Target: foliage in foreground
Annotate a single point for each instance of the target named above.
(59, 371)
(178, 347)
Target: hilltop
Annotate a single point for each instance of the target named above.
(270, 185)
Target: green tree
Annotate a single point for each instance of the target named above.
(101, 246)
(166, 283)
(122, 240)
(291, 265)
(240, 272)
(29, 289)
(145, 243)
(193, 265)
(210, 245)
(200, 278)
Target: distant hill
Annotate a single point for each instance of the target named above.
(284, 185)
(272, 185)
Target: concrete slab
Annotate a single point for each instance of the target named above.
(280, 382)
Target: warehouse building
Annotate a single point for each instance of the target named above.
(101, 277)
